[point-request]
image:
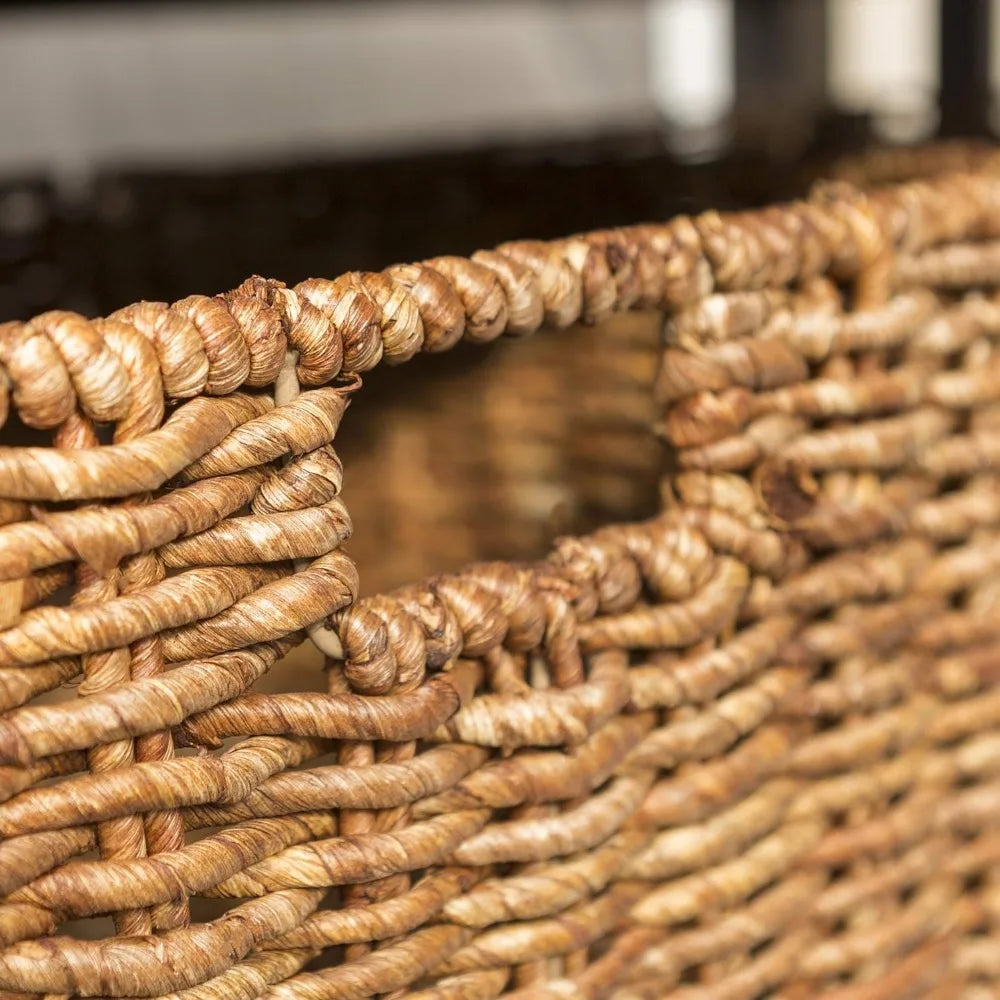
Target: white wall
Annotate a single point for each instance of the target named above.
(159, 83)
(80, 86)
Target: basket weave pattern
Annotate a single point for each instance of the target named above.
(748, 747)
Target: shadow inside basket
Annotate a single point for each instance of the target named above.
(491, 452)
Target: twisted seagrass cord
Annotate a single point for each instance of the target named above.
(747, 747)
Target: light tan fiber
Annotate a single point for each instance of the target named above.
(696, 693)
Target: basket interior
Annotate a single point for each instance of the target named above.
(492, 451)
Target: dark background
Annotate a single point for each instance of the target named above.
(132, 232)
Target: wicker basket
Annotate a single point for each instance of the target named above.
(737, 735)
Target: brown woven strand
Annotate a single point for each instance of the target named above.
(747, 744)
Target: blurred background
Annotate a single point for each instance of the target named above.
(158, 149)
(152, 149)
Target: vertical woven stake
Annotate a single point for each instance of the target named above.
(122, 837)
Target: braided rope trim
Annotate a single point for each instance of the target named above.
(126, 367)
